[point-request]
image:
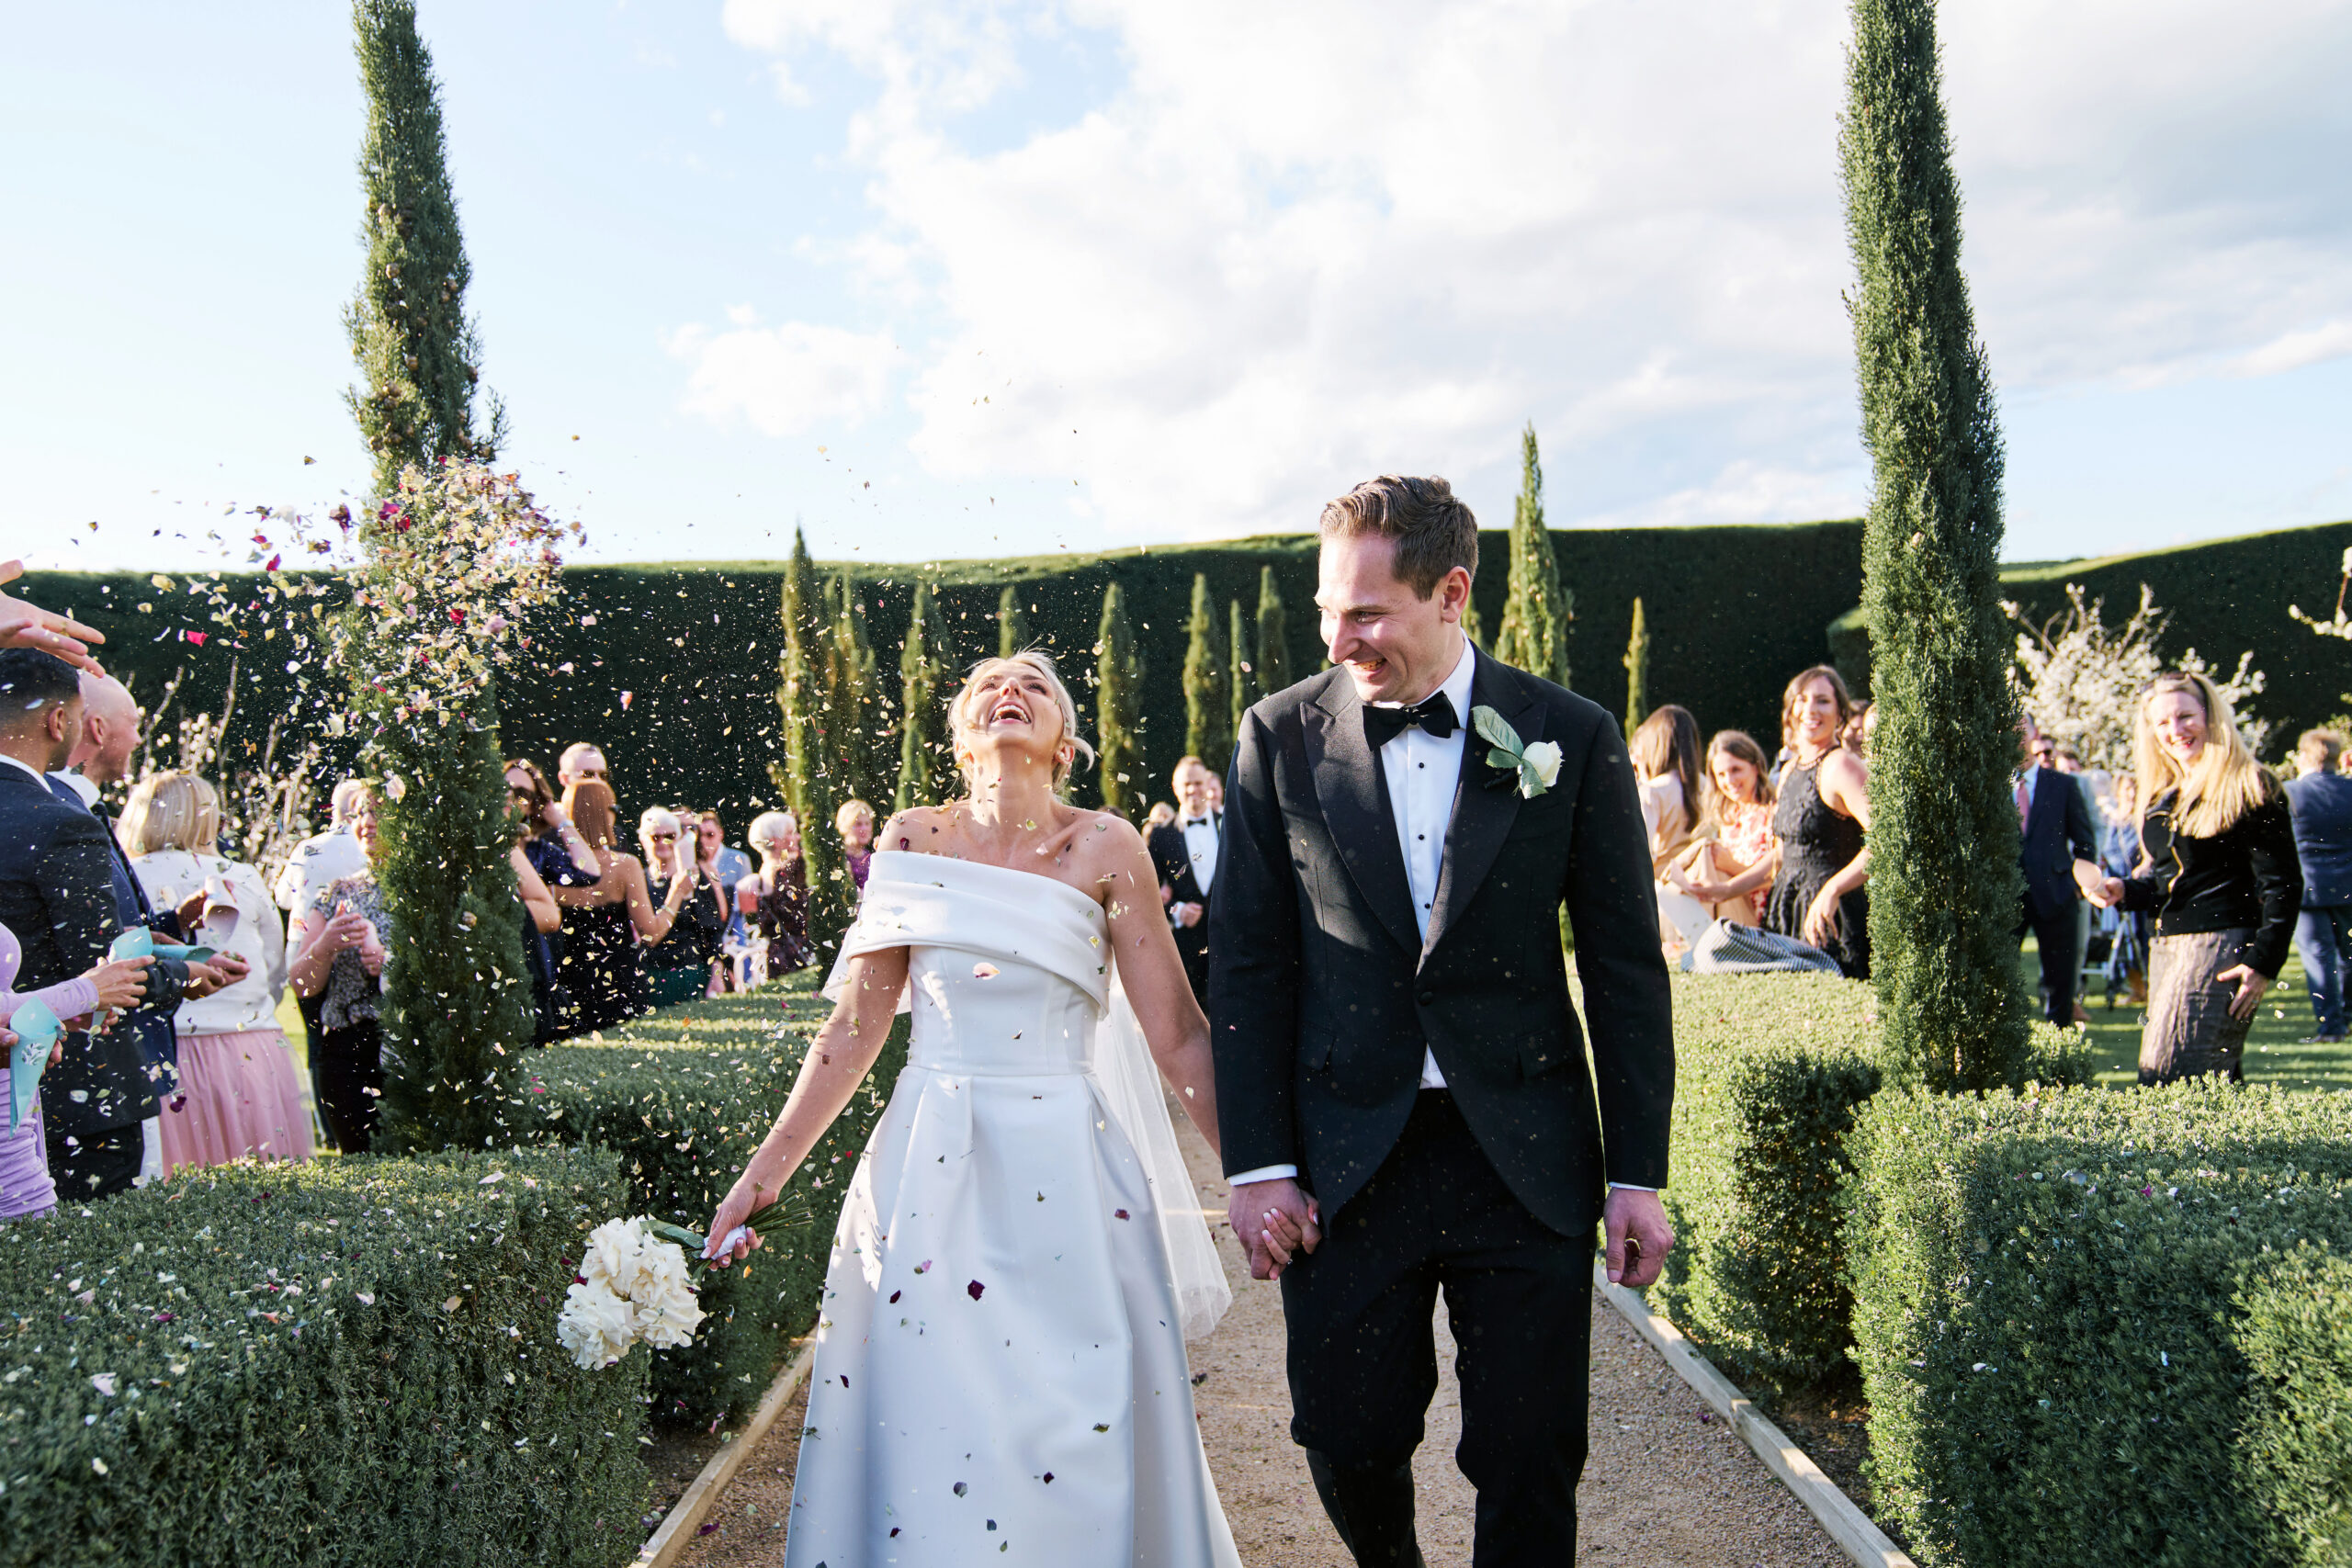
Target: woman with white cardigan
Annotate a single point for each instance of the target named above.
(240, 1096)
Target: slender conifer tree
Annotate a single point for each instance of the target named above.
(922, 674)
(1241, 685)
(1943, 833)
(1011, 623)
(1208, 712)
(1535, 634)
(1274, 635)
(1118, 681)
(418, 351)
(1638, 670)
(808, 788)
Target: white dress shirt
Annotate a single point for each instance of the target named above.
(1200, 845)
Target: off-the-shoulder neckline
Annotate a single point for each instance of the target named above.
(1027, 876)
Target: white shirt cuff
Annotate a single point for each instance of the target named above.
(1263, 1173)
(1629, 1187)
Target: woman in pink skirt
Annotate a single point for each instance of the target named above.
(240, 1097)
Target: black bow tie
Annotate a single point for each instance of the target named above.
(1197, 822)
(1433, 715)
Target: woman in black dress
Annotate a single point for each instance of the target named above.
(1819, 860)
(599, 966)
(775, 899)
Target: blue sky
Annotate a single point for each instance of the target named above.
(969, 279)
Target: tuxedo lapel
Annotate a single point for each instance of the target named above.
(1482, 815)
(1354, 800)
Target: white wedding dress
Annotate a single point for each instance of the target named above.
(999, 1372)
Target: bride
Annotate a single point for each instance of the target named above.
(1000, 1348)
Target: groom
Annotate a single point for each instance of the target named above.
(1397, 1058)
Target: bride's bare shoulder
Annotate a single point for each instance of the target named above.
(919, 829)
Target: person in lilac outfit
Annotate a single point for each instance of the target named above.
(26, 1188)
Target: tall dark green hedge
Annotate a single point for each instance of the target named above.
(2295, 1449)
(351, 1361)
(1944, 884)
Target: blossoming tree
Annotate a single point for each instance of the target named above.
(2081, 679)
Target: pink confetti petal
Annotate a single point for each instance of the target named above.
(984, 971)
(973, 1289)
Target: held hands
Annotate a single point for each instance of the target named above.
(2103, 891)
(1186, 914)
(2251, 982)
(1638, 1236)
(1276, 1221)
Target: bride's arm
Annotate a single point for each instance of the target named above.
(837, 1063)
(1152, 973)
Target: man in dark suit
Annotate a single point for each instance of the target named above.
(2059, 843)
(2320, 798)
(57, 895)
(1389, 1008)
(1184, 855)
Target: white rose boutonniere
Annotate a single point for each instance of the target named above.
(1532, 765)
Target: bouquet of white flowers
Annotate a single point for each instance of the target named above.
(632, 1285)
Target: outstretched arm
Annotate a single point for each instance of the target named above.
(838, 1061)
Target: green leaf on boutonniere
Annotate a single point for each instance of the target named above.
(1499, 733)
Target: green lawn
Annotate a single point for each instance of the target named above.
(2273, 1051)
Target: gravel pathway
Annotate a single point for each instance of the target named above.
(1667, 1487)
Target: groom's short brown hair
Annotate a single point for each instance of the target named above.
(1433, 530)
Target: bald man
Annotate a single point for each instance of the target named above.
(110, 721)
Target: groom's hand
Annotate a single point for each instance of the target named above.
(1276, 1221)
(1635, 1222)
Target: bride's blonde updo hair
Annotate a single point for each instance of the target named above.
(960, 721)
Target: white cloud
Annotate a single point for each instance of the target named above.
(786, 380)
(1300, 244)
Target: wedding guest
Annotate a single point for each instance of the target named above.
(1665, 754)
(340, 962)
(724, 866)
(323, 857)
(599, 967)
(240, 1096)
(2222, 879)
(775, 898)
(2058, 852)
(58, 899)
(27, 1189)
(1856, 737)
(1217, 793)
(554, 847)
(2127, 930)
(581, 760)
(2322, 799)
(854, 823)
(1820, 861)
(110, 726)
(1184, 854)
(540, 915)
(1736, 825)
(677, 963)
(1160, 815)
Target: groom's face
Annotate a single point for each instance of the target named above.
(1396, 645)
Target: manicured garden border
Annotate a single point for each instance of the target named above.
(1861, 1541)
(663, 1547)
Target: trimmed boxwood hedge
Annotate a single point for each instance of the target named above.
(1769, 1072)
(351, 1361)
(2052, 1308)
(2295, 1455)
(683, 1097)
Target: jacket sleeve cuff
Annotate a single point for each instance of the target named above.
(1263, 1173)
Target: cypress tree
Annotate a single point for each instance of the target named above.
(1274, 635)
(854, 730)
(417, 351)
(1944, 882)
(1534, 633)
(1011, 624)
(807, 787)
(1208, 716)
(1638, 670)
(923, 670)
(1472, 627)
(1118, 692)
(1237, 688)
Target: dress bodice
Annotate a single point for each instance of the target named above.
(1007, 972)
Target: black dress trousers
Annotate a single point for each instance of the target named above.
(1362, 1355)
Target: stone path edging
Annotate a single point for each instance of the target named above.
(661, 1549)
(1848, 1525)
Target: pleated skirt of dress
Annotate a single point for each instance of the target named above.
(240, 1099)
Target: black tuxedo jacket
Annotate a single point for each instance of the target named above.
(1171, 860)
(2057, 833)
(57, 894)
(1323, 994)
